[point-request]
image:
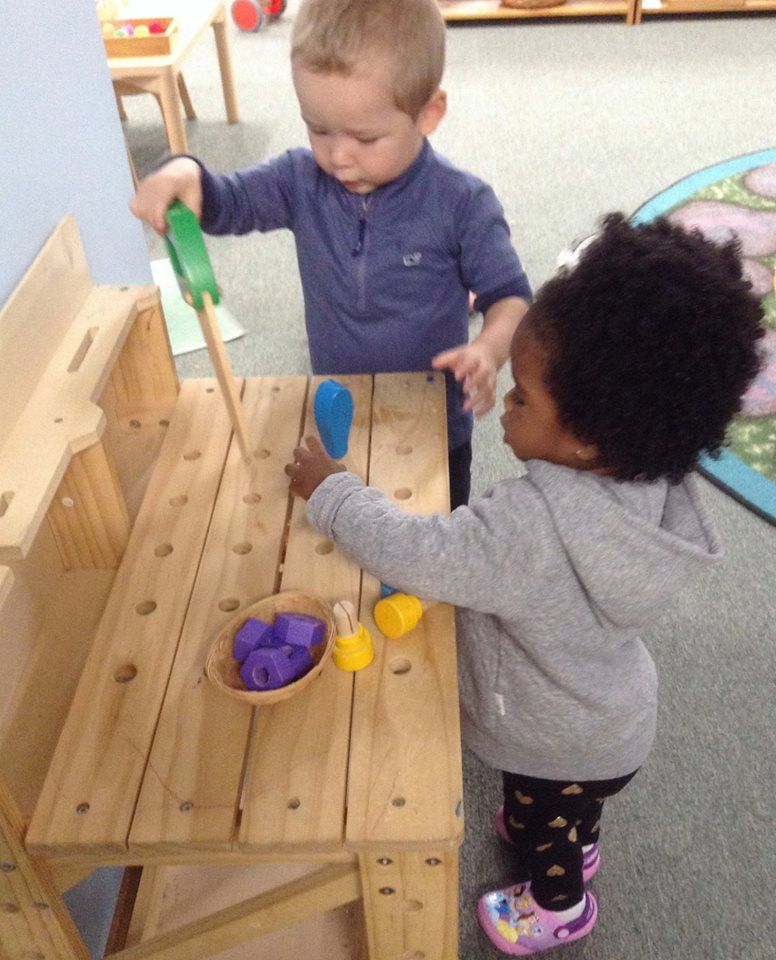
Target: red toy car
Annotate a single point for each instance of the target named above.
(251, 15)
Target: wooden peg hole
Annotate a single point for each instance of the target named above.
(179, 501)
(186, 806)
(276, 389)
(261, 454)
(324, 547)
(403, 493)
(164, 423)
(243, 547)
(125, 674)
(403, 449)
(59, 419)
(412, 906)
(210, 390)
(398, 802)
(192, 455)
(228, 604)
(135, 424)
(163, 550)
(294, 803)
(67, 502)
(385, 861)
(400, 666)
(82, 808)
(10, 907)
(252, 498)
(5, 501)
(145, 607)
(433, 861)
(387, 891)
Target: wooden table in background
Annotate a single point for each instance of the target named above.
(160, 75)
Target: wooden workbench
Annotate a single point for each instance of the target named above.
(358, 777)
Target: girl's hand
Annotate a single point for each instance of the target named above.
(310, 468)
(179, 179)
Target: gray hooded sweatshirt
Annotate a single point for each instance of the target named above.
(554, 574)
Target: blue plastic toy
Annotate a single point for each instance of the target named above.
(333, 409)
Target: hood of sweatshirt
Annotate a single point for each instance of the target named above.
(632, 545)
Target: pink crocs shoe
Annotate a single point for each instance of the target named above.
(591, 859)
(516, 924)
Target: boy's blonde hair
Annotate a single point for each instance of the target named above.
(333, 36)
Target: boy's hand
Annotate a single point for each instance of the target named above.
(177, 180)
(310, 468)
(476, 365)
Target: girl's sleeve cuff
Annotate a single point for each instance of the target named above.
(324, 504)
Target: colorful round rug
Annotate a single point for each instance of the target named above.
(738, 198)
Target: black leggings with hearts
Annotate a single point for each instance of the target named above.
(548, 823)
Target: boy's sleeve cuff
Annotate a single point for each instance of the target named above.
(518, 288)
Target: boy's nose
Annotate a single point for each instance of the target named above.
(340, 153)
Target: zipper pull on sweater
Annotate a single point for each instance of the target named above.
(361, 231)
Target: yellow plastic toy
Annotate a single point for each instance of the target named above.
(353, 648)
(399, 613)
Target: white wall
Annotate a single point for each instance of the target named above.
(61, 144)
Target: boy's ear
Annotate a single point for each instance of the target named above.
(432, 113)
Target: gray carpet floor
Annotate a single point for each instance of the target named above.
(568, 121)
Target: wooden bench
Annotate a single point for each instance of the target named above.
(131, 530)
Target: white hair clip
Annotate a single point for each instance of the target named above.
(569, 258)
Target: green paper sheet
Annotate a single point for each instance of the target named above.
(182, 323)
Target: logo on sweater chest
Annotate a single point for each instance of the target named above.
(412, 259)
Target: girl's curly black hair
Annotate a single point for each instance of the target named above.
(651, 341)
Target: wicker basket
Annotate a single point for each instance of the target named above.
(224, 671)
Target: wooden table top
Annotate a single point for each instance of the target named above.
(154, 761)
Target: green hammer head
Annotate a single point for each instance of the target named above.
(188, 255)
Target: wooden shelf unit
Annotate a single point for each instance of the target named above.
(461, 11)
(680, 7)
(469, 10)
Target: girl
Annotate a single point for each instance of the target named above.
(627, 366)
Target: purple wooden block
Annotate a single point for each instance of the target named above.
(267, 668)
(252, 634)
(300, 630)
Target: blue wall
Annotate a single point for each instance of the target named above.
(62, 151)
(61, 144)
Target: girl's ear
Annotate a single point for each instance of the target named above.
(432, 113)
(587, 453)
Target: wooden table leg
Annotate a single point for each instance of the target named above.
(411, 904)
(169, 100)
(188, 106)
(225, 66)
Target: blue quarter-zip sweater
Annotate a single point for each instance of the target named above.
(385, 276)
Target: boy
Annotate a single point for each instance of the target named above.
(390, 237)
